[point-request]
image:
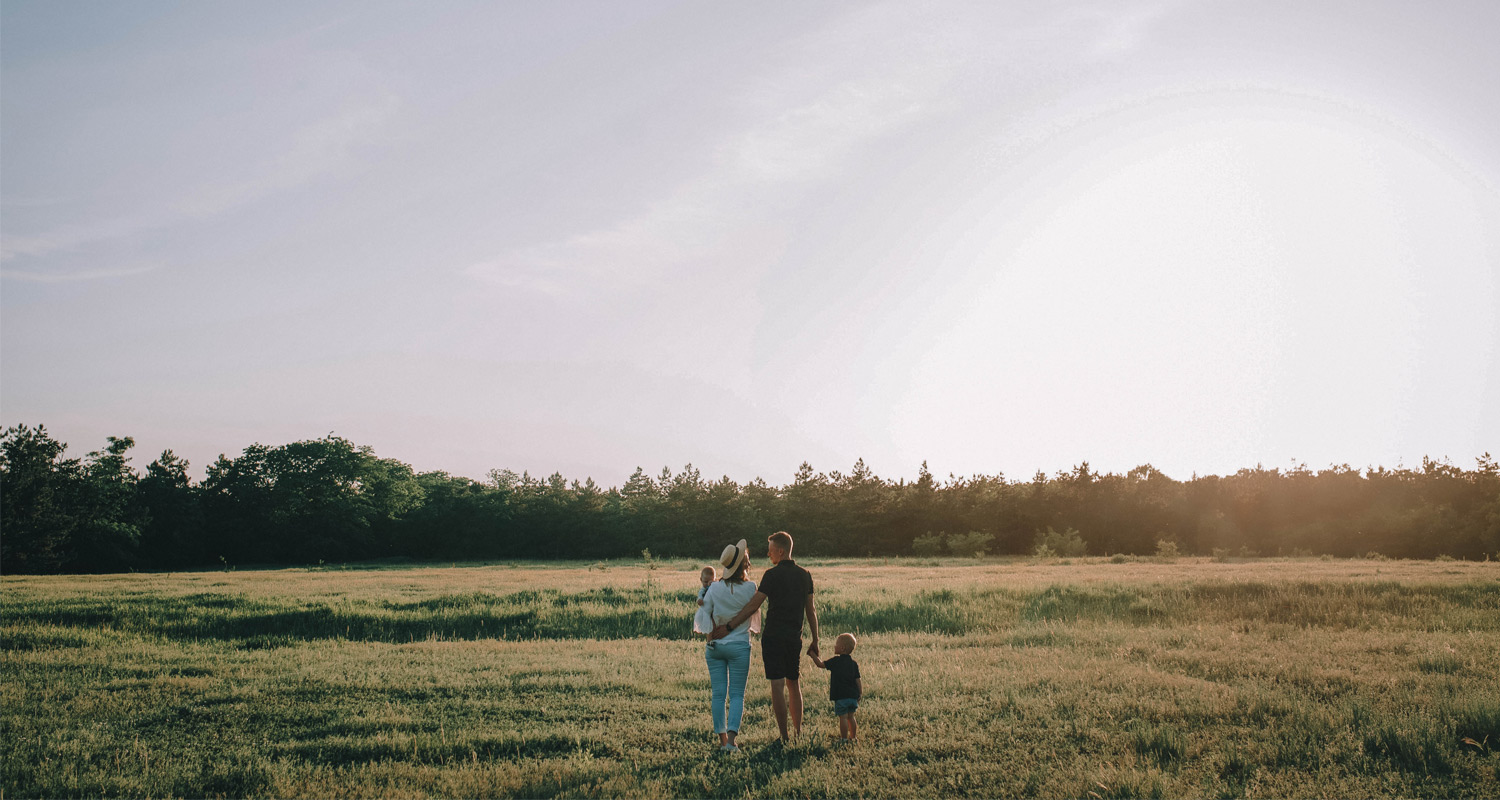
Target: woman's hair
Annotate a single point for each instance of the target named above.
(739, 574)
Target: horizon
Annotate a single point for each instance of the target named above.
(582, 239)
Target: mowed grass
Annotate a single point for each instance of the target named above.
(1282, 678)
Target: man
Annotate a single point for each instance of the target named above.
(790, 590)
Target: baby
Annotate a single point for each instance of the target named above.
(706, 577)
(701, 621)
(844, 685)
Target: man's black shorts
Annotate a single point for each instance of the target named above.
(782, 656)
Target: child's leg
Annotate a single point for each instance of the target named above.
(843, 726)
(853, 726)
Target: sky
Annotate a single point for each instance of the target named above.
(585, 237)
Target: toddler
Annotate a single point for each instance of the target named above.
(701, 621)
(844, 685)
(706, 577)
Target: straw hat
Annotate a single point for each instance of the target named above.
(733, 556)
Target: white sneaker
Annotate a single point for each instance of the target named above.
(729, 748)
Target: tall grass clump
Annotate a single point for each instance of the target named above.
(1307, 738)
(1476, 717)
(1161, 744)
(1412, 746)
(1443, 663)
(1235, 771)
(1126, 786)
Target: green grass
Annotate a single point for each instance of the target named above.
(1286, 678)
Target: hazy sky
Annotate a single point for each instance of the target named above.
(587, 236)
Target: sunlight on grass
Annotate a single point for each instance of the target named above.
(1198, 678)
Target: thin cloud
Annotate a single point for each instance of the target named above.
(803, 142)
(12, 246)
(803, 136)
(312, 126)
(318, 148)
(31, 202)
(1122, 29)
(74, 277)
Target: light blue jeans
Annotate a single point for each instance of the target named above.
(728, 666)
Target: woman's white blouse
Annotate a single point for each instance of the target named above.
(721, 603)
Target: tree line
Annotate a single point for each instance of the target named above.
(330, 500)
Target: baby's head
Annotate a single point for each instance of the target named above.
(707, 575)
(844, 645)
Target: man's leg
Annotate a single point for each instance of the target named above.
(794, 700)
(778, 704)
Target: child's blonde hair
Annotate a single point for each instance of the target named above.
(845, 640)
(710, 570)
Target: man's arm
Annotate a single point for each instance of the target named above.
(812, 625)
(739, 618)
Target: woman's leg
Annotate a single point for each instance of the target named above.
(739, 671)
(718, 681)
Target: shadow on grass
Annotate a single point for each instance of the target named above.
(746, 773)
(340, 751)
(254, 623)
(632, 613)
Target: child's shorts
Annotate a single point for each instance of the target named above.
(845, 706)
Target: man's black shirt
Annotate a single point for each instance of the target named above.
(786, 586)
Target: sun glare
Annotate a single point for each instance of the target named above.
(1234, 263)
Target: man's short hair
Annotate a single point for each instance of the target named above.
(782, 540)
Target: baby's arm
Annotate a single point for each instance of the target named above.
(817, 661)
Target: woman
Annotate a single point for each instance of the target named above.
(728, 658)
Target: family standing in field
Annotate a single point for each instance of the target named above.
(729, 611)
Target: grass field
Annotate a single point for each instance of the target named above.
(1280, 678)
